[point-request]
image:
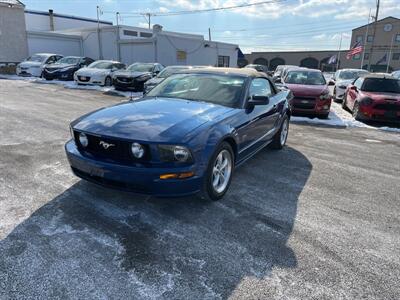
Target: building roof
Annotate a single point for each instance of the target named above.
(381, 20)
(12, 2)
(46, 13)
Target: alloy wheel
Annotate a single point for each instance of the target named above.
(284, 131)
(222, 171)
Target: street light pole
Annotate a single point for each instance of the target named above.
(373, 35)
(365, 41)
(338, 56)
(98, 33)
(390, 54)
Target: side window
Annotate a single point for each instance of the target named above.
(261, 87)
(58, 57)
(358, 83)
(51, 60)
(119, 66)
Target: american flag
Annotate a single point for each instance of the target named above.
(357, 48)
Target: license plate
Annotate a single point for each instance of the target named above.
(304, 101)
(83, 78)
(96, 172)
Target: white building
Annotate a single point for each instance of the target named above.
(69, 35)
(134, 44)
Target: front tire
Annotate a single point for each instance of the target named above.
(219, 173)
(108, 81)
(344, 105)
(356, 112)
(280, 138)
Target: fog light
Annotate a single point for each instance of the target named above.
(326, 107)
(83, 140)
(177, 175)
(137, 150)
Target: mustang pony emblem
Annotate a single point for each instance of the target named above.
(106, 145)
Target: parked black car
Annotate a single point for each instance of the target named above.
(134, 77)
(65, 68)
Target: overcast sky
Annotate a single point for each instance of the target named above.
(278, 25)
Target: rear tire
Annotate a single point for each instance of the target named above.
(344, 105)
(280, 138)
(219, 173)
(356, 112)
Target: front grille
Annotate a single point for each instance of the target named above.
(303, 102)
(125, 79)
(83, 78)
(111, 183)
(118, 151)
(387, 106)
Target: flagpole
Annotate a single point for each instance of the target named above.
(365, 41)
(390, 54)
(340, 46)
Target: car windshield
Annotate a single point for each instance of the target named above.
(68, 60)
(101, 65)
(305, 77)
(169, 71)
(37, 58)
(381, 85)
(214, 88)
(140, 68)
(348, 75)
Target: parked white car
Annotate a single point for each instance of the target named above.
(33, 65)
(341, 79)
(99, 72)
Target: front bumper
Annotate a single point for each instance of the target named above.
(339, 93)
(89, 80)
(382, 115)
(310, 106)
(24, 71)
(58, 75)
(145, 180)
(131, 85)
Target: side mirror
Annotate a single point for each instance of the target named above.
(258, 100)
(354, 88)
(278, 80)
(155, 73)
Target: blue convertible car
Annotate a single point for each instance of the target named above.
(185, 136)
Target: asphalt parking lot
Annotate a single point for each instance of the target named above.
(318, 220)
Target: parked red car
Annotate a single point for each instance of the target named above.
(310, 92)
(374, 97)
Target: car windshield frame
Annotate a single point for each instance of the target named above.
(206, 79)
(106, 65)
(149, 69)
(373, 82)
(355, 74)
(76, 60)
(306, 82)
(37, 58)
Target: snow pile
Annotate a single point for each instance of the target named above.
(74, 85)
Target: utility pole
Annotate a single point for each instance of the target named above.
(117, 18)
(373, 34)
(148, 15)
(98, 33)
(338, 56)
(365, 41)
(390, 54)
(209, 34)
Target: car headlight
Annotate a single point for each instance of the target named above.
(171, 153)
(137, 150)
(83, 140)
(366, 101)
(325, 96)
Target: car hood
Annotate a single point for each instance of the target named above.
(344, 82)
(59, 66)
(307, 90)
(381, 96)
(27, 64)
(154, 81)
(150, 119)
(130, 74)
(92, 71)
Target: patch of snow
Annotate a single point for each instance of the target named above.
(340, 117)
